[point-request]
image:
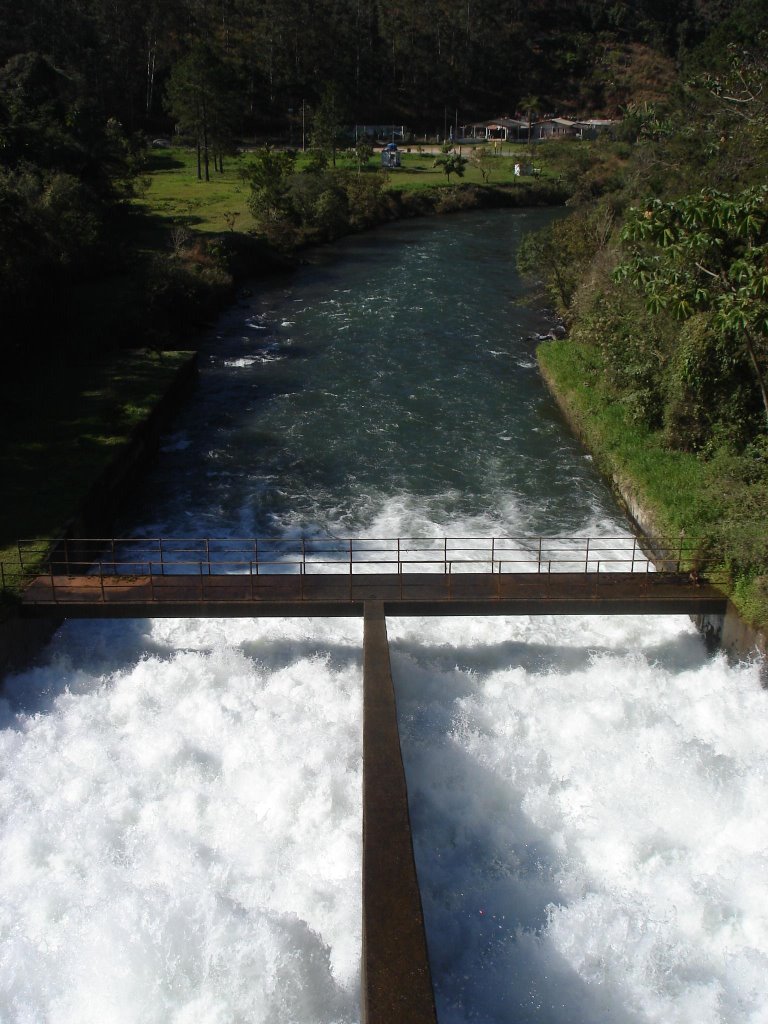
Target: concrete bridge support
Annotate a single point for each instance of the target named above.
(396, 979)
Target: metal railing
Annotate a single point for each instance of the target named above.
(312, 555)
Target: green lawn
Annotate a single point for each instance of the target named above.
(176, 195)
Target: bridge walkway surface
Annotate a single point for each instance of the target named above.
(174, 577)
(174, 596)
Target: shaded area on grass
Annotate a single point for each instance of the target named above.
(61, 434)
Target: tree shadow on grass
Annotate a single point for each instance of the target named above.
(159, 161)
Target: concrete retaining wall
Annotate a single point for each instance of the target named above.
(729, 632)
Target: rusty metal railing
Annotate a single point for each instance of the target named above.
(228, 555)
(106, 558)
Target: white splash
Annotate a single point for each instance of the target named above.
(592, 839)
(181, 837)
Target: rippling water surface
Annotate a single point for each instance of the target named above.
(180, 800)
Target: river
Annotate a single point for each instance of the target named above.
(180, 800)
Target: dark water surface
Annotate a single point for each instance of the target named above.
(392, 377)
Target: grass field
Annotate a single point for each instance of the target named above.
(175, 194)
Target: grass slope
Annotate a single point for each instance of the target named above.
(677, 489)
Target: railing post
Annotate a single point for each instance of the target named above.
(101, 582)
(208, 554)
(162, 558)
(586, 558)
(634, 551)
(445, 554)
(493, 554)
(538, 561)
(399, 564)
(202, 591)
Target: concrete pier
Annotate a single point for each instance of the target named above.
(396, 979)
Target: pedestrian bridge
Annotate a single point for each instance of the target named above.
(311, 576)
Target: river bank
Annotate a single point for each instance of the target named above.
(102, 484)
(628, 464)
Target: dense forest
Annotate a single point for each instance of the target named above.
(403, 60)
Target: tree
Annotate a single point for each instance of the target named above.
(707, 253)
(560, 253)
(269, 175)
(482, 158)
(327, 129)
(200, 97)
(452, 163)
(363, 152)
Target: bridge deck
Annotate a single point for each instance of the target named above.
(563, 593)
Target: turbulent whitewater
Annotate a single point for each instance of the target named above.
(180, 800)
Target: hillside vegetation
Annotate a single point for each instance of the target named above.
(662, 280)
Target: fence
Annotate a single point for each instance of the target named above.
(208, 556)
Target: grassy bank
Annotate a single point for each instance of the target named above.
(175, 195)
(677, 490)
(61, 435)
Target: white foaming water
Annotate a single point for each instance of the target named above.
(591, 837)
(181, 834)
